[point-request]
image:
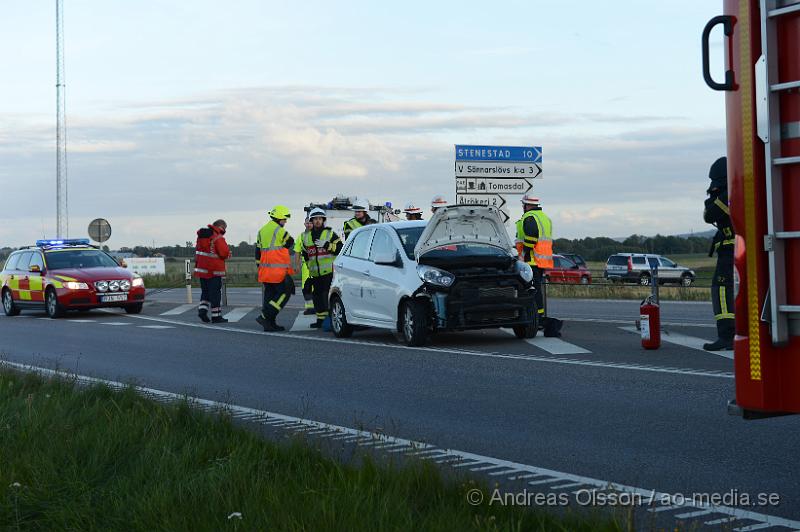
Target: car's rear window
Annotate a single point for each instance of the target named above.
(409, 237)
(617, 260)
(78, 258)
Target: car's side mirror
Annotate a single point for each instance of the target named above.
(35, 269)
(387, 258)
(122, 263)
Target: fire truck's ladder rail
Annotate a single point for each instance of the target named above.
(783, 317)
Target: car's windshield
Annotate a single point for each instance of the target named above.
(409, 237)
(78, 258)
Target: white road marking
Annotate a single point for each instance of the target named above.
(179, 310)
(625, 322)
(81, 321)
(238, 313)
(303, 322)
(116, 323)
(686, 341)
(155, 327)
(450, 351)
(556, 346)
(421, 449)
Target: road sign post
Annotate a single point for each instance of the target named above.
(188, 274)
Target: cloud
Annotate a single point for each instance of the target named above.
(241, 151)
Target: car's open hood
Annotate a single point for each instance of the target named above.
(464, 224)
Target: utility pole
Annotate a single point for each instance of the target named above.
(62, 212)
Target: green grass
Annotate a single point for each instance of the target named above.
(97, 459)
(617, 291)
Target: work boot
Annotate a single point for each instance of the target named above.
(203, 314)
(218, 319)
(269, 324)
(317, 324)
(720, 345)
(309, 311)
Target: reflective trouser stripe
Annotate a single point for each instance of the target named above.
(540, 311)
(310, 303)
(322, 315)
(204, 305)
(723, 304)
(277, 303)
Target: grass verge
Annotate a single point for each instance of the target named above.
(617, 291)
(96, 459)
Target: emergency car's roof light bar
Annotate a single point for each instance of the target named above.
(62, 243)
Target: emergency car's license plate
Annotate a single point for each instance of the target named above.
(113, 298)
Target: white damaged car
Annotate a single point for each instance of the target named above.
(458, 271)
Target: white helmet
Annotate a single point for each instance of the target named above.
(360, 205)
(438, 201)
(316, 212)
(411, 208)
(530, 199)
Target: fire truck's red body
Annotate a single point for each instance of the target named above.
(765, 208)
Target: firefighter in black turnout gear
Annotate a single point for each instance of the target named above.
(717, 214)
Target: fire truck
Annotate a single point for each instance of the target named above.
(340, 209)
(762, 97)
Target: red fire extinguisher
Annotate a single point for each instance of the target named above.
(650, 321)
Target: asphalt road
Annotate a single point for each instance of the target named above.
(602, 408)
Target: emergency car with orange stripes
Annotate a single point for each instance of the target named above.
(61, 275)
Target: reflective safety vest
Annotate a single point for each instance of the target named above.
(298, 248)
(540, 249)
(275, 262)
(352, 224)
(210, 253)
(320, 260)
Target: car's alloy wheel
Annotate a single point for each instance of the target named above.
(686, 280)
(54, 309)
(414, 324)
(8, 304)
(644, 280)
(339, 320)
(584, 280)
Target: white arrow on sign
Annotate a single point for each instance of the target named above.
(494, 200)
(492, 185)
(497, 170)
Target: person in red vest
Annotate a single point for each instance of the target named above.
(211, 252)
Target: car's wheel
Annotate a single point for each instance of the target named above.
(341, 329)
(527, 331)
(51, 304)
(584, 279)
(8, 304)
(687, 280)
(644, 280)
(414, 323)
(136, 308)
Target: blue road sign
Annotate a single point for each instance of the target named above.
(510, 154)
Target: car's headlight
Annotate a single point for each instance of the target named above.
(101, 286)
(125, 285)
(524, 270)
(435, 276)
(138, 281)
(72, 285)
(113, 286)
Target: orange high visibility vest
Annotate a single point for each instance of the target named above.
(275, 262)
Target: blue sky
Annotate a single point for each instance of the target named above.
(183, 112)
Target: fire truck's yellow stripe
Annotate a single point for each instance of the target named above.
(746, 80)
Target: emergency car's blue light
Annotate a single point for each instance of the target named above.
(64, 242)
(388, 204)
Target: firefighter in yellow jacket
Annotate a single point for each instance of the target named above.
(274, 248)
(535, 244)
(320, 247)
(304, 277)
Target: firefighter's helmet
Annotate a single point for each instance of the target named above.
(530, 199)
(411, 208)
(280, 212)
(360, 205)
(718, 174)
(438, 201)
(316, 212)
